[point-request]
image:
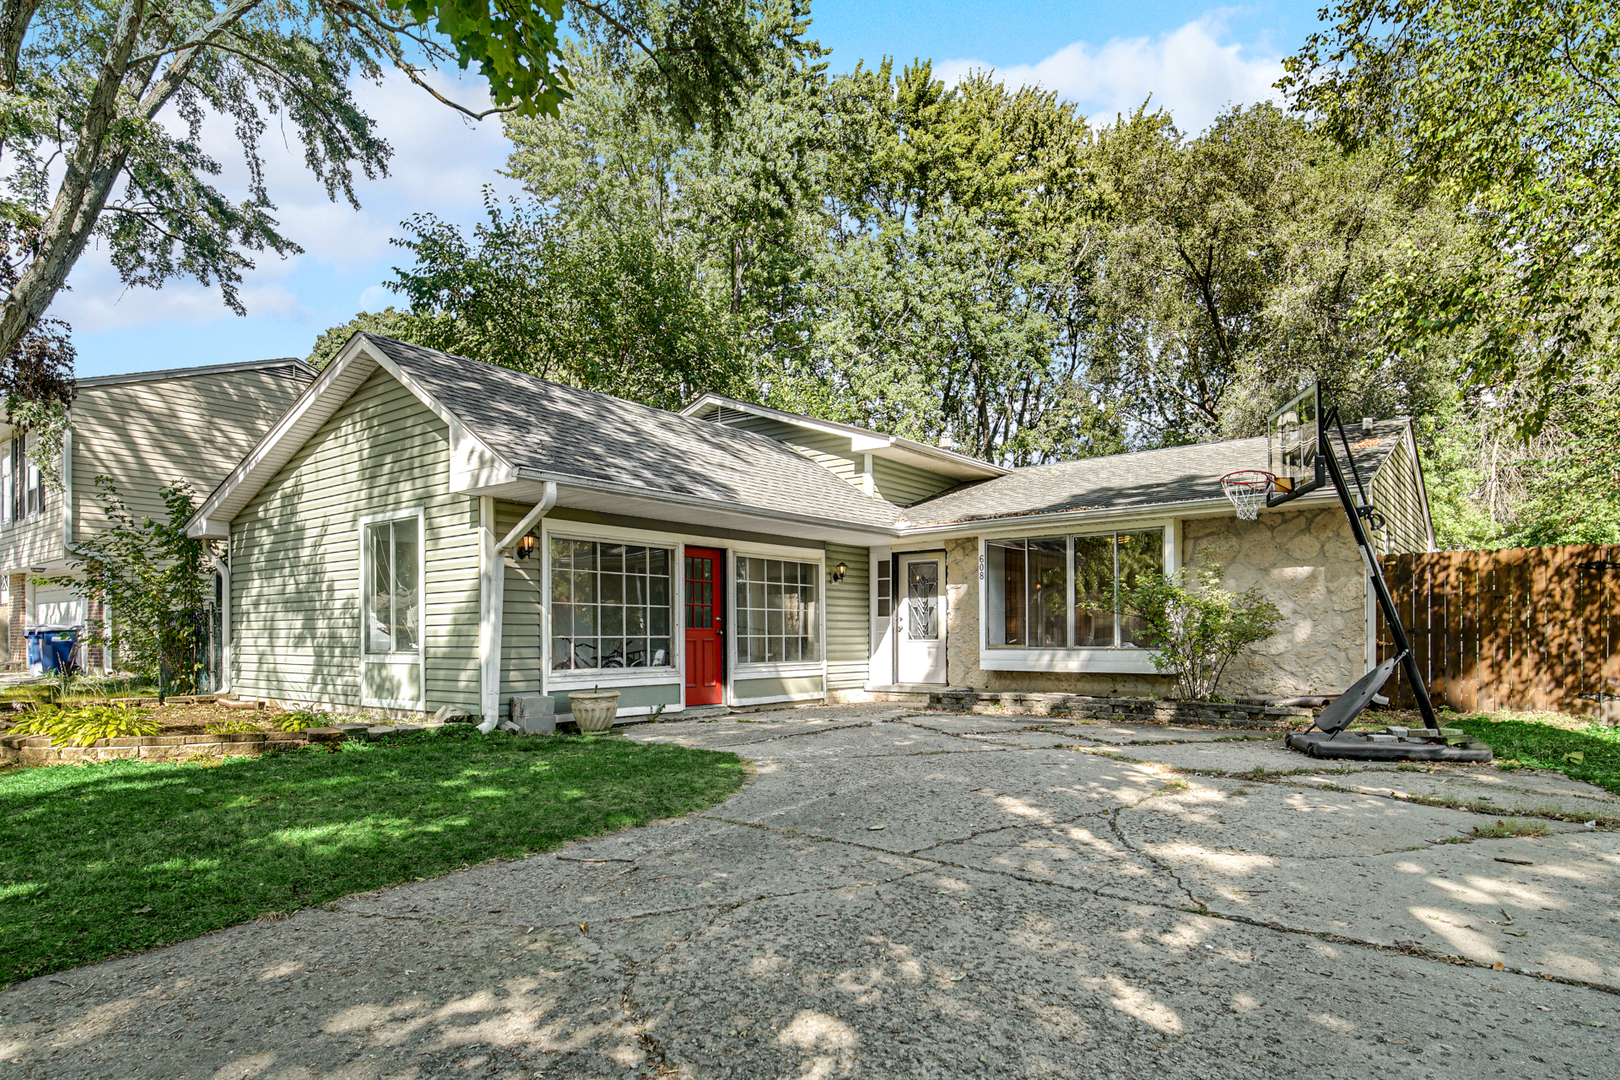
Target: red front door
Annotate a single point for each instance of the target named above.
(705, 667)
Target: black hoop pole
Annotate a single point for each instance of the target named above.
(1386, 602)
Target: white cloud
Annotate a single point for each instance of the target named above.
(1188, 71)
(376, 298)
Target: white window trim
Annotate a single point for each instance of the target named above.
(675, 674)
(1114, 660)
(798, 668)
(585, 679)
(418, 512)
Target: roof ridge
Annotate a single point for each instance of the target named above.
(158, 374)
(695, 424)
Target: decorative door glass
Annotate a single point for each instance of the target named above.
(922, 601)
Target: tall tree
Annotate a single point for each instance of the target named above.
(1515, 106)
(944, 295)
(607, 310)
(102, 106)
(1234, 265)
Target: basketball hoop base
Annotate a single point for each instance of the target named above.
(1387, 746)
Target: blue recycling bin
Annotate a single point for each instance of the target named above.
(56, 648)
(50, 647)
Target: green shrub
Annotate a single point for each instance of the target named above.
(1199, 629)
(109, 686)
(303, 720)
(83, 726)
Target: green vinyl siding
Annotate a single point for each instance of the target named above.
(148, 434)
(904, 484)
(630, 697)
(295, 567)
(521, 657)
(805, 686)
(1395, 492)
(562, 518)
(848, 621)
(831, 452)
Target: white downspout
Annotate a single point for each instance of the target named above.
(222, 567)
(492, 597)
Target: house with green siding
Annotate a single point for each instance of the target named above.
(420, 530)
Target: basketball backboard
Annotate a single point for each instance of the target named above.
(1293, 437)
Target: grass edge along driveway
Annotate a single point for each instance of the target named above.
(1591, 754)
(108, 859)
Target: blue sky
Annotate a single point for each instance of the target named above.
(1193, 58)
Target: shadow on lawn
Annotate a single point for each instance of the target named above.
(112, 858)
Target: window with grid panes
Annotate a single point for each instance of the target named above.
(610, 605)
(777, 611)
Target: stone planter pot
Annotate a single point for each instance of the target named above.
(594, 710)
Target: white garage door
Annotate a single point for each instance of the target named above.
(56, 606)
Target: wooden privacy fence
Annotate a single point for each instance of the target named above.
(1525, 628)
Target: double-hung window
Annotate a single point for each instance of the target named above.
(393, 587)
(778, 611)
(1060, 592)
(22, 485)
(611, 605)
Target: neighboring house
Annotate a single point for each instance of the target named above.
(422, 531)
(144, 432)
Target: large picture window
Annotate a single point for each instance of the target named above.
(777, 618)
(1028, 589)
(393, 588)
(610, 605)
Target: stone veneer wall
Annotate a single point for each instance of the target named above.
(1304, 560)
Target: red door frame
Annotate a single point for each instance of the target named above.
(703, 602)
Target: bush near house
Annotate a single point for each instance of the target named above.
(112, 858)
(1199, 629)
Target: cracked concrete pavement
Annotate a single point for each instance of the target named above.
(929, 896)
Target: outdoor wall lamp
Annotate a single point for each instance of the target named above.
(525, 546)
(838, 572)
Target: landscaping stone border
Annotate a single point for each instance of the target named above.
(38, 750)
(1122, 710)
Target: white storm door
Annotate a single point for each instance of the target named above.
(921, 619)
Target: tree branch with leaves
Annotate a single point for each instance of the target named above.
(102, 110)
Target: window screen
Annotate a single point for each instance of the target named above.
(393, 608)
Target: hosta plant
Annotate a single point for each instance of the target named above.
(83, 726)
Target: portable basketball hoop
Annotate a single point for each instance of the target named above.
(1301, 459)
(1248, 490)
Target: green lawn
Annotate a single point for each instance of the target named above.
(107, 859)
(1591, 754)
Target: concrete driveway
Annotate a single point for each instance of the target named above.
(930, 896)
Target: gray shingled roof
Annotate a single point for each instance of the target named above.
(1147, 478)
(561, 432)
